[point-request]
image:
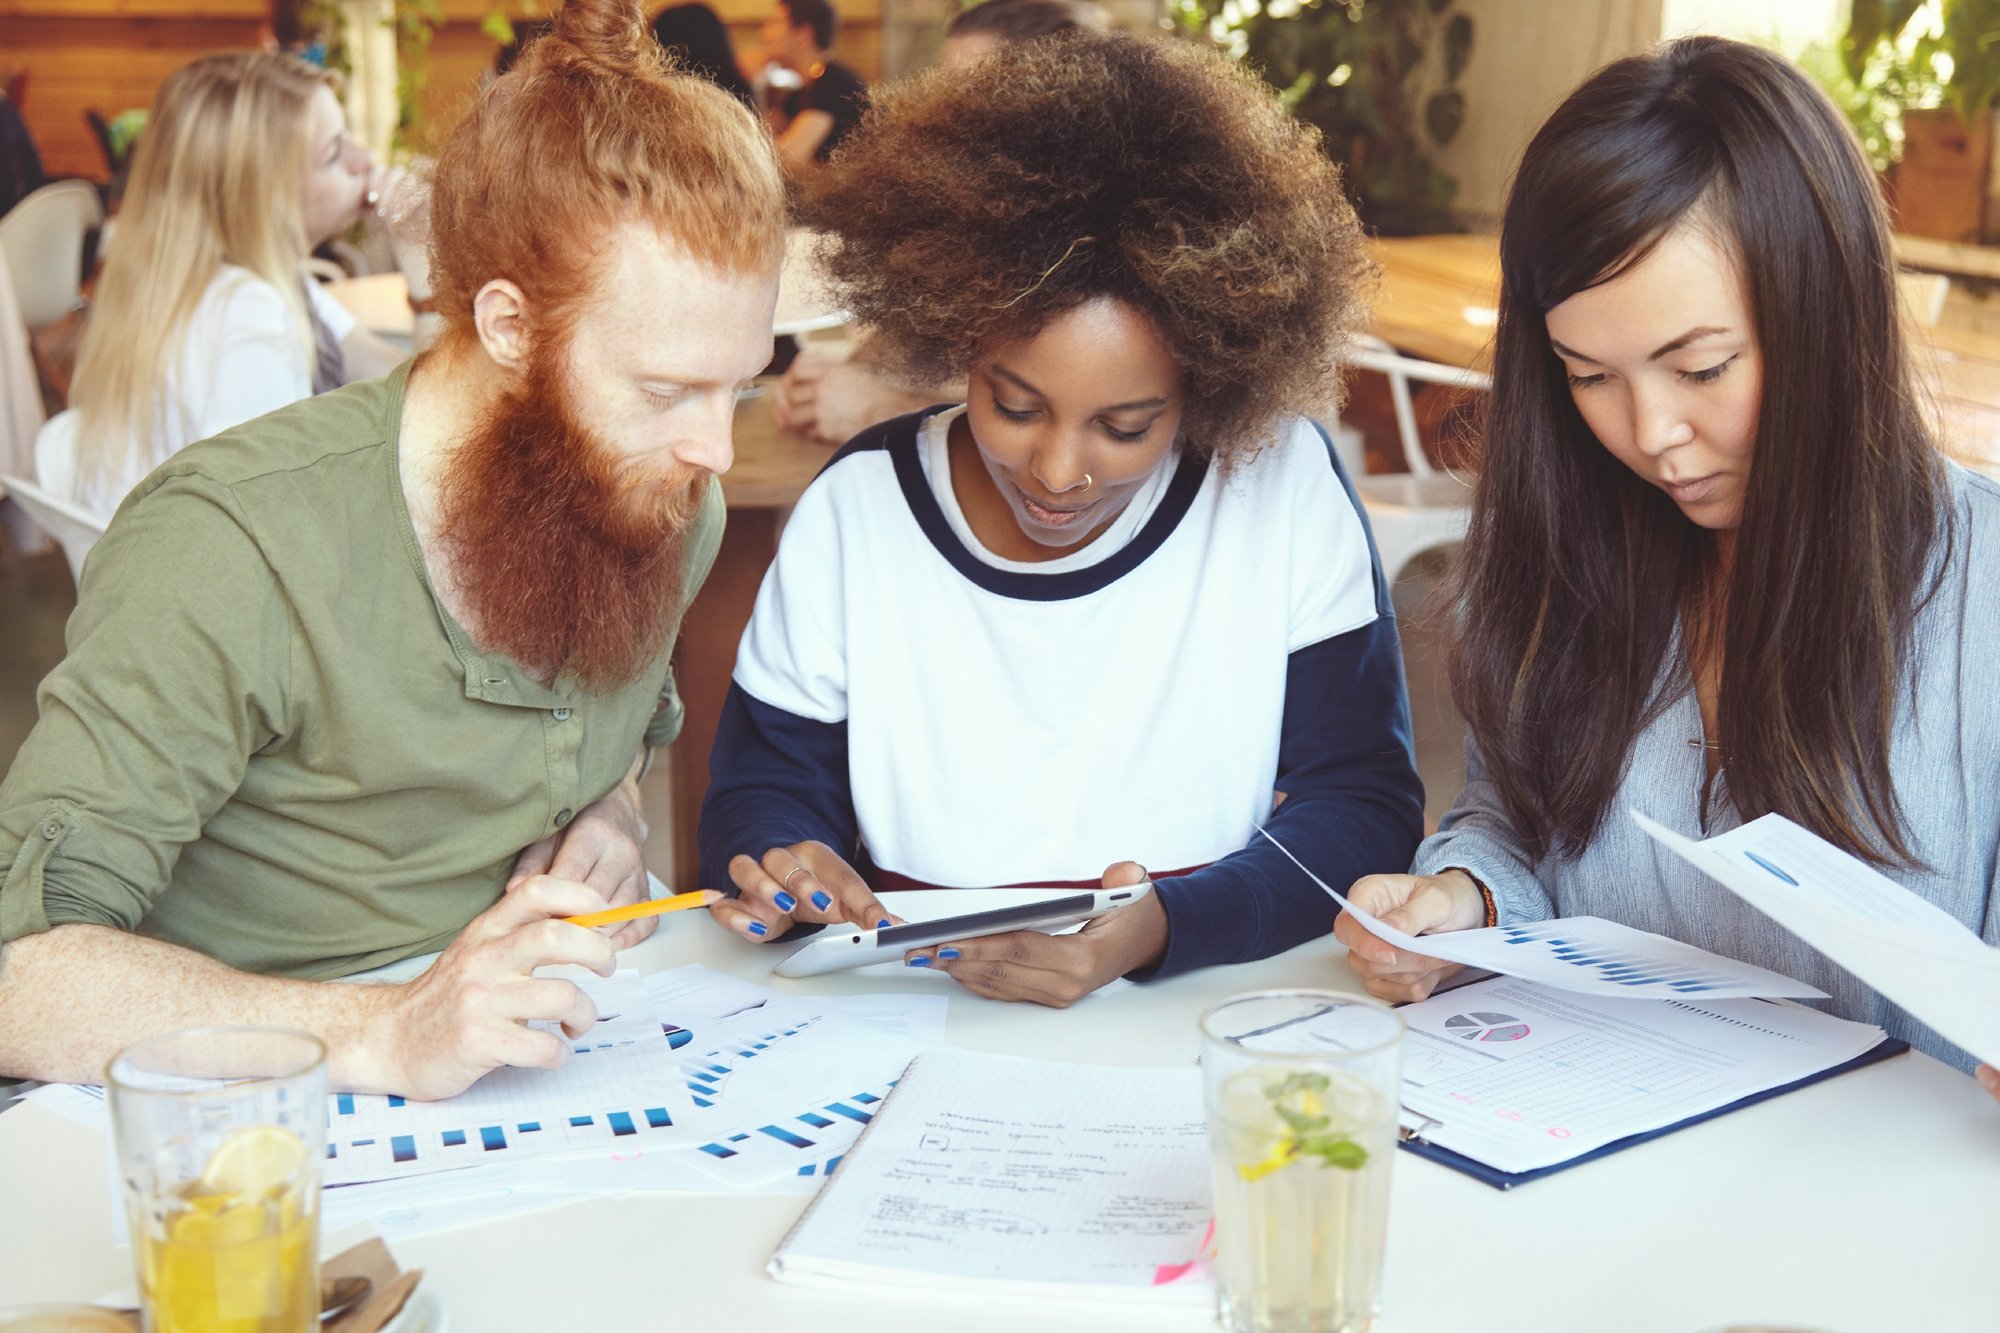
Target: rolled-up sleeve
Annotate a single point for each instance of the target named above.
(177, 671)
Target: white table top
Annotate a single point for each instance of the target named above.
(1869, 1202)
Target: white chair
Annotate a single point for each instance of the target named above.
(73, 526)
(1422, 509)
(41, 241)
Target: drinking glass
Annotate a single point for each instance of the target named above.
(1301, 1089)
(221, 1138)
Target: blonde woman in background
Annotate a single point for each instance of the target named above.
(204, 317)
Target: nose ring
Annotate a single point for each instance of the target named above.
(1083, 487)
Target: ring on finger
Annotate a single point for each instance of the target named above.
(796, 871)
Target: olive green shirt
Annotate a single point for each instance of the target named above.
(269, 741)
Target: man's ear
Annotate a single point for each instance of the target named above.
(500, 314)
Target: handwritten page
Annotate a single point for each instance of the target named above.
(1001, 1175)
(1909, 949)
(1584, 954)
(1521, 1076)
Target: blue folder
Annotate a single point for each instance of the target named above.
(1506, 1180)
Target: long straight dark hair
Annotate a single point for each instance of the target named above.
(1576, 573)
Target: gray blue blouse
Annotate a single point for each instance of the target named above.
(1945, 758)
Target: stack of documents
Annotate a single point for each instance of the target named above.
(1507, 1079)
(690, 1080)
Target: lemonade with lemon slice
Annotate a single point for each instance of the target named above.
(1301, 1164)
(221, 1138)
(1301, 1089)
(236, 1250)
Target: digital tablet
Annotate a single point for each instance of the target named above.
(839, 947)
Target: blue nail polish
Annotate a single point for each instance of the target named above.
(821, 899)
(785, 901)
(883, 924)
(920, 961)
(947, 953)
(757, 928)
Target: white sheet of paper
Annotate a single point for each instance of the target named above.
(620, 1086)
(1584, 954)
(995, 1174)
(1910, 950)
(1521, 1076)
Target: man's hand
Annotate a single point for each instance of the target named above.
(1415, 905)
(1058, 970)
(603, 847)
(807, 881)
(832, 399)
(1989, 1079)
(469, 1012)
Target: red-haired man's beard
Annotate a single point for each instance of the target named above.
(564, 556)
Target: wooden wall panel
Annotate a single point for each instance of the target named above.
(111, 55)
(107, 55)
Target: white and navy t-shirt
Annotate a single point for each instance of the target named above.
(953, 719)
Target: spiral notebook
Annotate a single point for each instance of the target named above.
(1012, 1177)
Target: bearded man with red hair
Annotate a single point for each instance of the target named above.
(376, 675)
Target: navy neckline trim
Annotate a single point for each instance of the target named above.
(899, 438)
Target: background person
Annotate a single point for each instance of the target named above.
(204, 316)
(812, 119)
(1717, 566)
(1098, 616)
(834, 397)
(697, 41)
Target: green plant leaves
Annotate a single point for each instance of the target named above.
(1443, 114)
(1457, 46)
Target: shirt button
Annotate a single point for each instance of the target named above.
(562, 818)
(561, 714)
(52, 829)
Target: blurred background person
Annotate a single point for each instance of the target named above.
(978, 32)
(833, 396)
(204, 317)
(698, 41)
(812, 119)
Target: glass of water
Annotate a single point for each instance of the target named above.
(1302, 1095)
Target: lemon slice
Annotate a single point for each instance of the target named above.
(252, 1162)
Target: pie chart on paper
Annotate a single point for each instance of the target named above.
(1481, 1026)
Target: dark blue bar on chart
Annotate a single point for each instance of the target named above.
(620, 1123)
(403, 1148)
(492, 1137)
(454, 1138)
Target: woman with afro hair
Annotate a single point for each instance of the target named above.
(1117, 610)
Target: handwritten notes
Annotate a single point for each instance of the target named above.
(1013, 1176)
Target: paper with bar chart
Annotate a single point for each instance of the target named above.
(1584, 954)
(618, 1087)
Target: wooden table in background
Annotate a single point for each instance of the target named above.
(771, 470)
(1439, 296)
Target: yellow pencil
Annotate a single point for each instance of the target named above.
(651, 907)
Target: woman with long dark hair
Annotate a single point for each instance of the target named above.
(1717, 566)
